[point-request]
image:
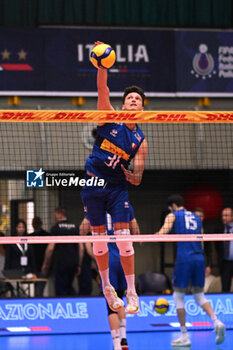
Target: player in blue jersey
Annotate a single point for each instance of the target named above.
(117, 320)
(115, 146)
(189, 267)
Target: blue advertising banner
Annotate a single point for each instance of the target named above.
(22, 61)
(89, 315)
(57, 61)
(168, 63)
(143, 58)
(204, 63)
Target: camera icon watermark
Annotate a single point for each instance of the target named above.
(35, 178)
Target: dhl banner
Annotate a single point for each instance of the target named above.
(53, 116)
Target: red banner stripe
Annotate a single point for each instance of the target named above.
(197, 324)
(37, 329)
(15, 66)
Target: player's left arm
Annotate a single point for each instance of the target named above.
(135, 176)
(134, 227)
(168, 224)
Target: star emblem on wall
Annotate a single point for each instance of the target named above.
(5, 54)
(22, 54)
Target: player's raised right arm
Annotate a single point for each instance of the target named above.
(103, 91)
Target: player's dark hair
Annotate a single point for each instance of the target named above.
(175, 199)
(136, 89)
(200, 210)
(61, 211)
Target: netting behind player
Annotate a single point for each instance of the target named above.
(181, 158)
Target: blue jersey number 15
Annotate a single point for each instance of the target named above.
(190, 222)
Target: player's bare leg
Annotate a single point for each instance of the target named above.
(184, 339)
(100, 250)
(206, 306)
(218, 325)
(178, 296)
(127, 262)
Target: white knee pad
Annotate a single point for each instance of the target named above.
(200, 298)
(125, 248)
(179, 300)
(99, 248)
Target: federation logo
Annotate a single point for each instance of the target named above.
(203, 63)
(35, 178)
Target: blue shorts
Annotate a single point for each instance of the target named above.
(112, 199)
(189, 273)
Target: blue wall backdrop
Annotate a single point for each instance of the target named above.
(89, 315)
(163, 62)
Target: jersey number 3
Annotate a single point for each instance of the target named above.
(113, 161)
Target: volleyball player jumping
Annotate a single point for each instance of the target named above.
(115, 146)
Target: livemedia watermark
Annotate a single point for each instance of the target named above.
(41, 179)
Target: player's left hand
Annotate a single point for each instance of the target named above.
(129, 175)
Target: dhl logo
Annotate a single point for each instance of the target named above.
(117, 116)
(221, 117)
(110, 147)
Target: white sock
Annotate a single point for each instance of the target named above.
(183, 330)
(116, 339)
(130, 279)
(214, 319)
(104, 274)
(122, 322)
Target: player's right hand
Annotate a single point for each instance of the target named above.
(97, 43)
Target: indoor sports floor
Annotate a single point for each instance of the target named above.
(201, 340)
